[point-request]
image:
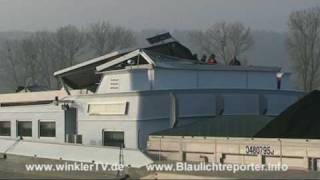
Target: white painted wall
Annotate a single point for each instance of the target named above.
(154, 106)
(222, 79)
(147, 112)
(193, 105)
(150, 112)
(123, 81)
(92, 131)
(241, 104)
(35, 113)
(82, 102)
(164, 79)
(91, 126)
(140, 108)
(175, 79)
(262, 80)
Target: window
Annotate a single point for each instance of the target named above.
(24, 128)
(47, 129)
(5, 128)
(107, 109)
(113, 138)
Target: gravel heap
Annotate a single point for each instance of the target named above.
(300, 120)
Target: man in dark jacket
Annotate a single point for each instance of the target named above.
(203, 59)
(234, 62)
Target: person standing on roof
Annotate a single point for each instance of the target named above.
(212, 59)
(234, 62)
(203, 59)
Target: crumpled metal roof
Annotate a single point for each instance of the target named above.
(84, 75)
(171, 55)
(159, 60)
(93, 61)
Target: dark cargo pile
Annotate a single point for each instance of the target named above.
(301, 120)
(221, 126)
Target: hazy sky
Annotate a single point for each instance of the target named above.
(32, 15)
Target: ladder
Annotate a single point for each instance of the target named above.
(121, 161)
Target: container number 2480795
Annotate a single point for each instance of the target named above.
(257, 149)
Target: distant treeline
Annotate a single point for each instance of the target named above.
(29, 58)
(34, 58)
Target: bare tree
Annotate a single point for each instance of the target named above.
(10, 61)
(29, 61)
(98, 36)
(304, 45)
(104, 38)
(47, 59)
(21, 62)
(34, 59)
(69, 41)
(239, 38)
(223, 39)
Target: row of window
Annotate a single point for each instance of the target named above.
(24, 128)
